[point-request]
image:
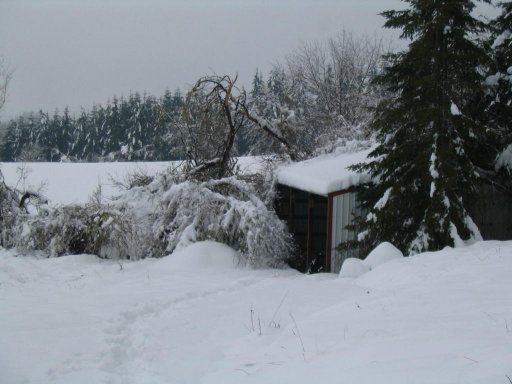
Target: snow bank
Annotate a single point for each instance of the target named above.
(448, 264)
(441, 317)
(324, 174)
(353, 267)
(203, 256)
(433, 328)
(383, 253)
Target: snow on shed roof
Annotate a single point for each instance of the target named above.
(324, 174)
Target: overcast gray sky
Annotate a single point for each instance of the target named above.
(80, 52)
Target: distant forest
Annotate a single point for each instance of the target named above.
(138, 127)
(320, 94)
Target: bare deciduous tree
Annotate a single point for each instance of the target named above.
(215, 110)
(323, 92)
(5, 78)
(340, 72)
(208, 125)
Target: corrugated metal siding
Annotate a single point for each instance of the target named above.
(344, 207)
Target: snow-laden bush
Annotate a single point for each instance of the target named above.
(176, 210)
(9, 211)
(161, 215)
(225, 210)
(99, 230)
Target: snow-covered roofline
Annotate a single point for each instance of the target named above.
(324, 174)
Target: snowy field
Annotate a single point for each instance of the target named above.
(68, 183)
(197, 317)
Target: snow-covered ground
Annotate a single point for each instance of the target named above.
(196, 316)
(68, 183)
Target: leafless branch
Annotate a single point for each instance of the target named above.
(5, 78)
(268, 129)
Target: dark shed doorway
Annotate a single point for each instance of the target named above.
(306, 215)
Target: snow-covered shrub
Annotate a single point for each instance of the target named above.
(98, 230)
(158, 216)
(9, 211)
(227, 211)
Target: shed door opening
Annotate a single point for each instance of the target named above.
(306, 215)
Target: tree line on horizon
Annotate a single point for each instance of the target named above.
(137, 127)
(319, 94)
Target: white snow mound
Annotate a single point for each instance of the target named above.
(383, 253)
(204, 255)
(353, 267)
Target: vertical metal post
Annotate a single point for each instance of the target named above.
(328, 243)
(310, 231)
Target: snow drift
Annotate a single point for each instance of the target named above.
(195, 317)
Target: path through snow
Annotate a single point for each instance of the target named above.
(443, 317)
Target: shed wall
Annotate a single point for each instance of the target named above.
(344, 209)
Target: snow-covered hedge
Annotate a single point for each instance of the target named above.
(94, 229)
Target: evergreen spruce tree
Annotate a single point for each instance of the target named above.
(424, 176)
(81, 134)
(65, 134)
(13, 140)
(166, 114)
(44, 138)
(258, 86)
(93, 122)
(52, 138)
(113, 132)
(500, 79)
